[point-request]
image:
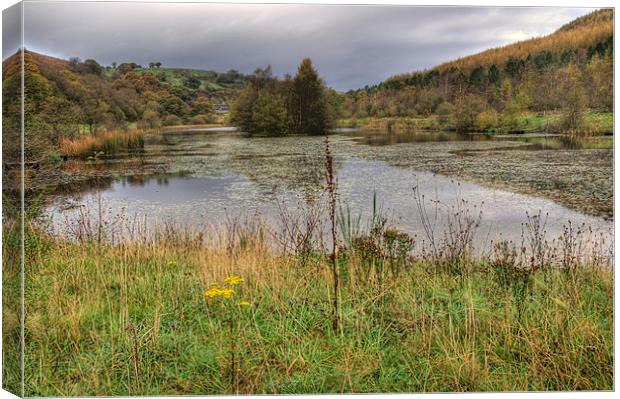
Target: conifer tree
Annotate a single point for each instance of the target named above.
(309, 104)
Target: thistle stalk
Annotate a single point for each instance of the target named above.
(331, 191)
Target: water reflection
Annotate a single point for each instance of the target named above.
(531, 142)
(214, 173)
(200, 201)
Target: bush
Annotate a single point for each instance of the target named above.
(573, 112)
(150, 119)
(198, 120)
(172, 120)
(486, 120)
(465, 112)
(269, 115)
(445, 112)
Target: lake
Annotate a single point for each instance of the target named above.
(200, 177)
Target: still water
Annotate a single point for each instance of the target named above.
(212, 175)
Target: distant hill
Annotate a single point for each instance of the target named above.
(79, 81)
(538, 69)
(583, 37)
(221, 87)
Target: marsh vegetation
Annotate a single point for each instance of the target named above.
(247, 306)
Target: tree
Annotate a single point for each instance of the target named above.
(311, 113)
(174, 105)
(600, 75)
(192, 83)
(335, 103)
(94, 113)
(573, 109)
(92, 66)
(494, 75)
(61, 116)
(476, 78)
(262, 78)
(466, 110)
(445, 112)
(201, 106)
(487, 119)
(126, 67)
(150, 119)
(269, 115)
(241, 113)
(513, 110)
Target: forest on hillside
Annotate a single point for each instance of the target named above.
(571, 69)
(66, 99)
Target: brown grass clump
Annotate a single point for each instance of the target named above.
(109, 142)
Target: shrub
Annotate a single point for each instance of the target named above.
(465, 112)
(150, 119)
(445, 112)
(198, 120)
(269, 115)
(573, 111)
(172, 120)
(488, 119)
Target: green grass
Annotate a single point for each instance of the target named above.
(177, 76)
(594, 122)
(602, 122)
(132, 320)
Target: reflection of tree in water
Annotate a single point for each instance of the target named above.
(142, 180)
(381, 138)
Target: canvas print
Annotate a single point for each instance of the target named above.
(222, 199)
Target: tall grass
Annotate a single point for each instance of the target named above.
(128, 317)
(110, 142)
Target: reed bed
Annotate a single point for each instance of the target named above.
(106, 143)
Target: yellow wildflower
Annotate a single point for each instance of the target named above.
(212, 293)
(227, 293)
(233, 280)
(172, 263)
(244, 303)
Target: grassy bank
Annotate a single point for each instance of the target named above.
(108, 143)
(133, 319)
(594, 123)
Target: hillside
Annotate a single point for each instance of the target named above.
(535, 74)
(583, 37)
(592, 33)
(65, 98)
(221, 88)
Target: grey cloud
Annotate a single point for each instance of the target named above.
(11, 30)
(351, 45)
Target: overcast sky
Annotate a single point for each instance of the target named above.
(350, 45)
